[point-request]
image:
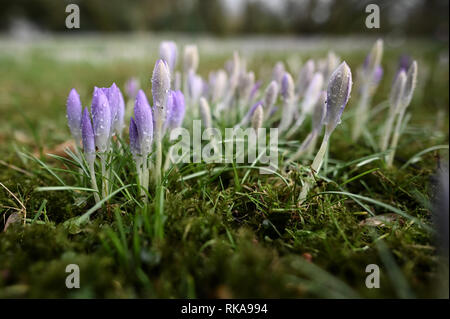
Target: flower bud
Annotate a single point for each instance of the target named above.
(397, 91)
(168, 52)
(338, 93)
(132, 87)
(74, 113)
(319, 112)
(257, 117)
(160, 89)
(312, 93)
(373, 60)
(270, 95)
(410, 85)
(113, 95)
(287, 87)
(195, 86)
(101, 118)
(88, 138)
(144, 122)
(304, 77)
(175, 110)
(278, 72)
(205, 113)
(247, 81)
(218, 85)
(190, 58)
(135, 147)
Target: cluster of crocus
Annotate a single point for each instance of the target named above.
(96, 132)
(369, 76)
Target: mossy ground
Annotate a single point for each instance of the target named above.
(221, 239)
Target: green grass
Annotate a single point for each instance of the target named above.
(228, 232)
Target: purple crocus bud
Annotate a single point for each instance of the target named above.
(304, 77)
(101, 118)
(74, 110)
(132, 87)
(135, 147)
(160, 88)
(338, 93)
(255, 89)
(373, 59)
(144, 122)
(168, 52)
(178, 109)
(120, 117)
(87, 133)
(113, 95)
(377, 75)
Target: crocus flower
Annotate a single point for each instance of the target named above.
(120, 119)
(205, 112)
(218, 84)
(143, 119)
(257, 117)
(88, 137)
(338, 93)
(287, 94)
(249, 114)
(270, 96)
(410, 85)
(190, 58)
(278, 71)
(305, 75)
(168, 52)
(160, 90)
(195, 86)
(254, 90)
(135, 147)
(177, 110)
(101, 118)
(115, 101)
(74, 112)
(312, 93)
(132, 87)
(319, 112)
(245, 86)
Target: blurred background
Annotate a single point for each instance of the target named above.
(427, 18)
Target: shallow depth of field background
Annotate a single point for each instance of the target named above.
(40, 61)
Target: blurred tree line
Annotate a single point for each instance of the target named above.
(410, 17)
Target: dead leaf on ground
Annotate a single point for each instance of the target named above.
(59, 149)
(13, 218)
(380, 220)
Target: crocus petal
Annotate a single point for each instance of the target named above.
(74, 112)
(101, 118)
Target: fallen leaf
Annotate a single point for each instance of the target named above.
(13, 218)
(380, 220)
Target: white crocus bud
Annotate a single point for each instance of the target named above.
(257, 118)
(338, 93)
(190, 58)
(278, 72)
(312, 93)
(410, 85)
(205, 113)
(218, 85)
(304, 77)
(270, 96)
